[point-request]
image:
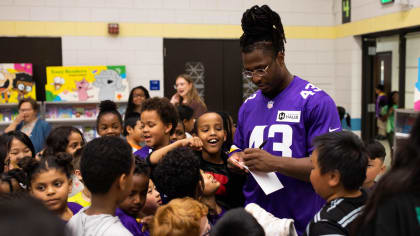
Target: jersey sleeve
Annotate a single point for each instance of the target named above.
(322, 117)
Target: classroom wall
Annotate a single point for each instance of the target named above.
(412, 67)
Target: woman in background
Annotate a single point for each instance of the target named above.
(187, 94)
(30, 124)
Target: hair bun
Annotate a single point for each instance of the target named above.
(63, 158)
(258, 21)
(107, 105)
(28, 164)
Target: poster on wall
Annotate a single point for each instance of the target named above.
(417, 90)
(16, 82)
(86, 83)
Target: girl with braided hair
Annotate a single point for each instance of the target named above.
(281, 118)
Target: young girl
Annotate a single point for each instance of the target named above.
(109, 121)
(153, 201)
(209, 198)
(64, 139)
(137, 96)
(50, 181)
(179, 132)
(18, 146)
(211, 131)
(158, 121)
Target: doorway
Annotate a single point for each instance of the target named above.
(215, 67)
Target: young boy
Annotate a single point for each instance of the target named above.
(107, 167)
(130, 208)
(132, 131)
(376, 164)
(179, 132)
(339, 169)
(178, 175)
(186, 115)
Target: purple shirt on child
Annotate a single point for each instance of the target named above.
(74, 207)
(143, 152)
(288, 122)
(130, 223)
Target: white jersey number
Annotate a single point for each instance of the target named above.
(257, 138)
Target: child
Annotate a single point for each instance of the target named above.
(83, 196)
(132, 131)
(376, 164)
(109, 120)
(179, 132)
(18, 146)
(229, 127)
(210, 129)
(50, 181)
(12, 181)
(186, 115)
(64, 139)
(23, 215)
(107, 167)
(153, 201)
(130, 208)
(237, 222)
(136, 98)
(158, 121)
(209, 198)
(177, 175)
(184, 216)
(339, 169)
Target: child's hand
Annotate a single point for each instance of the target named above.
(194, 143)
(236, 163)
(146, 221)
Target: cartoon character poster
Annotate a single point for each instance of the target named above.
(86, 83)
(16, 82)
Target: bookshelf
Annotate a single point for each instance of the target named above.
(78, 114)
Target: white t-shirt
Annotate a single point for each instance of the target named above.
(96, 225)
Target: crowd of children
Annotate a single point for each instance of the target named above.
(150, 183)
(164, 170)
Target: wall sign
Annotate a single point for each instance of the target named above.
(346, 11)
(154, 85)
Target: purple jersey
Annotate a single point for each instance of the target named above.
(288, 122)
(143, 152)
(130, 223)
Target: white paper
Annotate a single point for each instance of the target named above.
(268, 182)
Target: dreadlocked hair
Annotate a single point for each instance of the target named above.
(262, 29)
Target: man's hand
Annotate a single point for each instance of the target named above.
(259, 160)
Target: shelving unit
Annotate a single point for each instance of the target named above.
(79, 114)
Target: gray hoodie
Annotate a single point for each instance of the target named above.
(96, 225)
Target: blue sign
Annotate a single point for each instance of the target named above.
(154, 85)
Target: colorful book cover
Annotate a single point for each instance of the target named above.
(65, 112)
(16, 82)
(86, 83)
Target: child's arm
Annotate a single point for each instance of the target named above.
(194, 143)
